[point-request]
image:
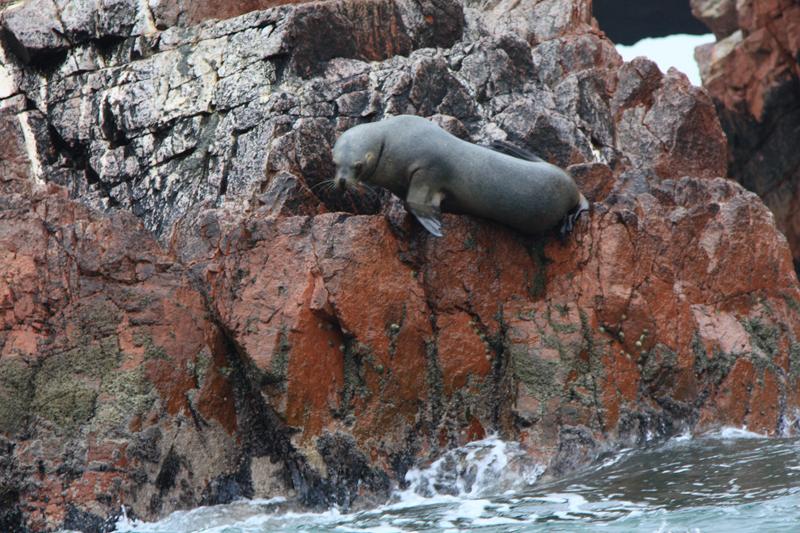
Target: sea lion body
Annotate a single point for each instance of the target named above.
(432, 170)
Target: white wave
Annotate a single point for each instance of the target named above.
(732, 433)
(487, 466)
(452, 485)
(204, 519)
(683, 437)
(500, 521)
(467, 510)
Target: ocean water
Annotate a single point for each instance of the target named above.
(730, 481)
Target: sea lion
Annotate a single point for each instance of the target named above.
(433, 170)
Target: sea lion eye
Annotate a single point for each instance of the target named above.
(359, 167)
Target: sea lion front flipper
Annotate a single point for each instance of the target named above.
(428, 217)
(423, 201)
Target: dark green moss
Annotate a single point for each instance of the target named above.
(469, 242)
(435, 382)
(16, 393)
(125, 394)
(701, 360)
(539, 376)
(590, 370)
(763, 337)
(661, 359)
(279, 365)
(355, 384)
(97, 320)
(64, 387)
(717, 367)
(68, 404)
(538, 282)
(201, 365)
(794, 359)
(793, 304)
(251, 326)
(151, 349)
(564, 328)
(528, 315)
(93, 360)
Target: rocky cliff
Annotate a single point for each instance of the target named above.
(189, 318)
(753, 74)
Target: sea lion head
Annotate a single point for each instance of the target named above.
(356, 155)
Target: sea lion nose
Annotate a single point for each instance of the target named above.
(341, 178)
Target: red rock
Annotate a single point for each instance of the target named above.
(463, 354)
(752, 75)
(730, 404)
(99, 327)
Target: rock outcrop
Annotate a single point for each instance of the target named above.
(753, 74)
(190, 316)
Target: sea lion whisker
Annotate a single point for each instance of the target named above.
(322, 183)
(327, 187)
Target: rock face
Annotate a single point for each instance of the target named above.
(753, 75)
(189, 316)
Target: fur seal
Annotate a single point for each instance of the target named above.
(433, 170)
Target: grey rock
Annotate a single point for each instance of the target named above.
(576, 446)
(117, 18)
(156, 121)
(550, 135)
(34, 30)
(638, 80)
(79, 19)
(493, 72)
(222, 112)
(286, 194)
(559, 57)
(584, 94)
(535, 21)
(436, 90)
(721, 16)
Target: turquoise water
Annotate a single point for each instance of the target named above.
(727, 482)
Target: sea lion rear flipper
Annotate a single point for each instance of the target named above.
(423, 201)
(572, 217)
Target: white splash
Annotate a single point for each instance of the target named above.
(731, 433)
(454, 485)
(488, 466)
(212, 519)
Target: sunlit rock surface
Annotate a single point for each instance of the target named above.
(189, 317)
